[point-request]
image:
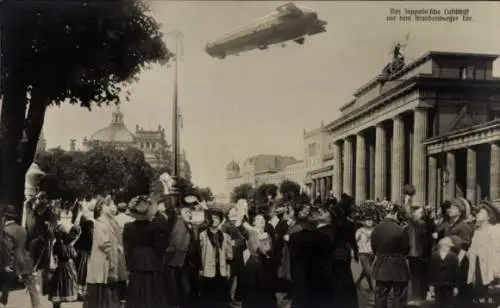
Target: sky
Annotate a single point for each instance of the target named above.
(261, 101)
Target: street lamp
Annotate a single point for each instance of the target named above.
(174, 193)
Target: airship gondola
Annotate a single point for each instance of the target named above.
(289, 23)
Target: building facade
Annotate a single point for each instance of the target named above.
(152, 143)
(434, 124)
(262, 169)
(318, 161)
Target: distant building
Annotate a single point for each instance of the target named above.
(318, 161)
(261, 169)
(433, 123)
(151, 142)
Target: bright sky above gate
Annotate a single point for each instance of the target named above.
(260, 101)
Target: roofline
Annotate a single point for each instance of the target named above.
(408, 83)
(420, 60)
(463, 131)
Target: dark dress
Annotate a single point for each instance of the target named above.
(143, 244)
(257, 284)
(344, 241)
(239, 236)
(83, 246)
(299, 252)
(63, 286)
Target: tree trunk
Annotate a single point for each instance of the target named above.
(13, 117)
(34, 124)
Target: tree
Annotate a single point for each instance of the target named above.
(243, 191)
(263, 191)
(102, 170)
(205, 193)
(289, 190)
(79, 52)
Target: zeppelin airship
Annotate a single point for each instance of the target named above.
(288, 23)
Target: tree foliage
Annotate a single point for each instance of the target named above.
(289, 190)
(243, 191)
(263, 192)
(102, 170)
(81, 52)
(206, 194)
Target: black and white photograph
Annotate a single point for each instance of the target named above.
(249, 154)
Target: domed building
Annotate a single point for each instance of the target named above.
(151, 142)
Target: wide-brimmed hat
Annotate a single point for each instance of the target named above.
(463, 206)
(139, 207)
(492, 207)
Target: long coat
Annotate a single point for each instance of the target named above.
(18, 235)
(390, 245)
(117, 243)
(102, 263)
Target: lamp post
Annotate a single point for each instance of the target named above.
(175, 121)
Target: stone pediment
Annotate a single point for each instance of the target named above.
(464, 119)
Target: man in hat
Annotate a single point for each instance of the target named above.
(390, 246)
(23, 264)
(183, 260)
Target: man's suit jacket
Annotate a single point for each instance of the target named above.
(22, 260)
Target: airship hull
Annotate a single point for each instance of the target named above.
(274, 30)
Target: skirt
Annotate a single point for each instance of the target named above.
(63, 286)
(81, 268)
(100, 295)
(146, 290)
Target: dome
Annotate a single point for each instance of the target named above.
(233, 166)
(115, 132)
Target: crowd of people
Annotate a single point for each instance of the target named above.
(148, 254)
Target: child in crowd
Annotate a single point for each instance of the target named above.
(443, 275)
(63, 286)
(363, 240)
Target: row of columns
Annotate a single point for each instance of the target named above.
(471, 190)
(321, 186)
(353, 180)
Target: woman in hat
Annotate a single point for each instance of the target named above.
(143, 243)
(102, 266)
(461, 232)
(485, 249)
(216, 252)
(257, 281)
(64, 280)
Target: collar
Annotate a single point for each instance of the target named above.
(9, 222)
(321, 225)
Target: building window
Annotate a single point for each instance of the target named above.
(312, 149)
(471, 72)
(329, 147)
(463, 73)
(142, 145)
(153, 145)
(147, 145)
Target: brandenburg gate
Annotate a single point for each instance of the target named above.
(433, 123)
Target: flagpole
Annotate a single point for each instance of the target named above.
(175, 194)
